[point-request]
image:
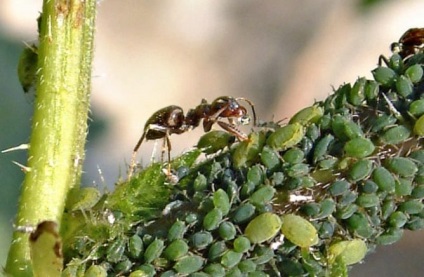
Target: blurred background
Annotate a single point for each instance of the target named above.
(282, 55)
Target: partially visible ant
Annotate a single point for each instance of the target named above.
(171, 120)
(410, 43)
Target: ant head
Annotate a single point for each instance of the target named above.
(396, 47)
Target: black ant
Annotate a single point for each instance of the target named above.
(410, 43)
(171, 120)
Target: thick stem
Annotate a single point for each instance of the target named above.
(59, 125)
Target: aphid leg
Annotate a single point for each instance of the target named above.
(232, 129)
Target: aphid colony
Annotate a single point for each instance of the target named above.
(308, 198)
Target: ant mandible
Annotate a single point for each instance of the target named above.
(171, 120)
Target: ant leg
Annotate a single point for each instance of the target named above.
(140, 141)
(209, 121)
(134, 154)
(232, 129)
(168, 147)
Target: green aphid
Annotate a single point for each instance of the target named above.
(414, 73)
(356, 95)
(326, 230)
(212, 219)
(293, 156)
(247, 266)
(297, 170)
(416, 108)
(387, 208)
(385, 76)
(177, 230)
(248, 151)
(135, 246)
(351, 252)
(346, 211)
(345, 129)
(384, 179)
(262, 196)
(263, 227)
(415, 223)
(270, 158)
(327, 207)
(298, 230)
(227, 230)
(123, 266)
(339, 187)
(307, 115)
(216, 250)
(382, 122)
(402, 166)
(231, 258)
(95, 271)
(286, 137)
(189, 264)
(221, 201)
(115, 251)
(247, 189)
(419, 126)
(391, 236)
(371, 90)
(82, 198)
(241, 244)
(368, 200)
(243, 213)
(262, 254)
(215, 269)
(395, 135)
(27, 67)
(233, 272)
(411, 207)
(154, 250)
(369, 186)
(255, 175)
(214, 141)
(398, 219)
(177, 249)
(404, 86)
(313, 132)
(200, 183)
(310, 209)
(418, 192)
(360, 170)
(168, 273)
(358, 223)
(403, 186)
(359, 147)
(322, 147)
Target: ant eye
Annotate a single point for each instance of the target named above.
(244, 120)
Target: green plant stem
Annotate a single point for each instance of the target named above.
(59, 124)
